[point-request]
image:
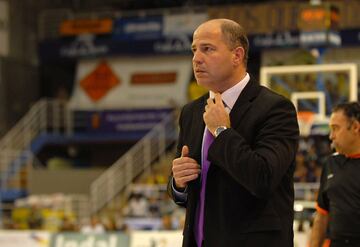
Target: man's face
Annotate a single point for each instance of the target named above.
(343, 133)
(213, 61)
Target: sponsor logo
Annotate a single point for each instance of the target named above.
(90, 241)
(84, 46)
(278, 39)
(173, 44)
(151, 26)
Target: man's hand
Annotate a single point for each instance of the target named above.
(215, 114)
(185, 169)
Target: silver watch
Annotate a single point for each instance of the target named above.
(219, 130)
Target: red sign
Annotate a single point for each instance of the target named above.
(99, 82)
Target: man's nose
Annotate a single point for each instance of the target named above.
(197, 58)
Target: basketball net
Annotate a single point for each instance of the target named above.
(305, 120)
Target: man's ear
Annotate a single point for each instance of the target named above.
(239, 54)
(356, 126)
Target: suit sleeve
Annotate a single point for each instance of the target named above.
(179, 198)
(260, 166)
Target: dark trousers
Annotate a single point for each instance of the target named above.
(254, 239)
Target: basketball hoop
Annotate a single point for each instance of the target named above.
(305, 120)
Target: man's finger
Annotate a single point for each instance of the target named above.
(218, 99)
(185, 151)
(210, 101)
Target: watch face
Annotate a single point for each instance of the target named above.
(219, 130)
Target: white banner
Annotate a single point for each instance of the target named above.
(4, 28)
(24, 238)
(156, 239)
(89, 240)
(178, 24)
(132, 83)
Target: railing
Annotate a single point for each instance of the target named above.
(54, 117)
(44, 117)
(129, 166)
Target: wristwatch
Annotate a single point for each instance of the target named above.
(219, 130)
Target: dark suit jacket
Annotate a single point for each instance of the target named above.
(249, 189)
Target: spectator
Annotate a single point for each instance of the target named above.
(94, 226)
(35, 220)
(67, 225)
(137, 206)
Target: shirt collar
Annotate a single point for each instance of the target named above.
(230, 95)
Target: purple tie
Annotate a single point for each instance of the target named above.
(199, 220)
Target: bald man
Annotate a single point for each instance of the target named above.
(236, 150)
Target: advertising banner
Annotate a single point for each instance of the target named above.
(138, 28)
(89, 240)
(24, 238)
(90, 46)
(280, 16)
(150, 35)
(184, 24)
(88, 26)
(156, 239)
(157, 27)
(131, 83)
(345, 38)
(127, 123)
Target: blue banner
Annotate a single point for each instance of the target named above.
(87, 46)
(343, 38)
(138, 28)
(272, 40)
(120, 121)
(350, 37)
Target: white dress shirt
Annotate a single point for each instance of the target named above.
(229, 98)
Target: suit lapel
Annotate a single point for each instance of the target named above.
(197, 131)
(243, 103)
(198, 127)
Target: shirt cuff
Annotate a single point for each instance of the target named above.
(180, 197)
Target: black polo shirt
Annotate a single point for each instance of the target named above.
(339, 195)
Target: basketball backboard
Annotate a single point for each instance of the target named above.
(313, 88)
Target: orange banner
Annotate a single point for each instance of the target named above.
(153, 78)
(96, 26)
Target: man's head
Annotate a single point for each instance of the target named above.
(220, 52)
(345, 128)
